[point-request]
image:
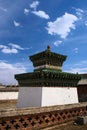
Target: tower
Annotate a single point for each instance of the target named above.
(47, 60)
(47, 85)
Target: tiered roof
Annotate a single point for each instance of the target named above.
(48, 60)
(48, 72)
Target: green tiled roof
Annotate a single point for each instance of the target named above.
(47, 78)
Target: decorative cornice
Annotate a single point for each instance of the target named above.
(48, 79)
(48, 67)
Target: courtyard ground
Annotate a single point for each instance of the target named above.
(67, 126)
(8, 104)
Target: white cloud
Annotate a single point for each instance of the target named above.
(16, 46)
(11, 48)
(82, 16)
(57, 43)
(3, 9)
(85, 23)
(7, 72)
(41, 14)
(79, 67)
(81, 63)
(34, 5)
(78, 70)
(75, 50)
(79, 12)
(8, 50)
(62, 25)
(16, 24)
(26, 11)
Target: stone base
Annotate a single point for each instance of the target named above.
(46, 96)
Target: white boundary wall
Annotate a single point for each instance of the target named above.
(8, 95)
(46, 96)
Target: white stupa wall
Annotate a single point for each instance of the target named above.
(46, 96)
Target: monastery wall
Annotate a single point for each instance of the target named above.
(8, 94)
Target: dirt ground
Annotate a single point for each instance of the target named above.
(67, 126)
(8, 104)
(73, 127)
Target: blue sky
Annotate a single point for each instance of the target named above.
(27, 27)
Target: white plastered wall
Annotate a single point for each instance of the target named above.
(59, 96)
(46, 96)
(8, 95)
(29, 97)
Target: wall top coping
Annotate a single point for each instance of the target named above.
(9, 89)
(26, 111)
